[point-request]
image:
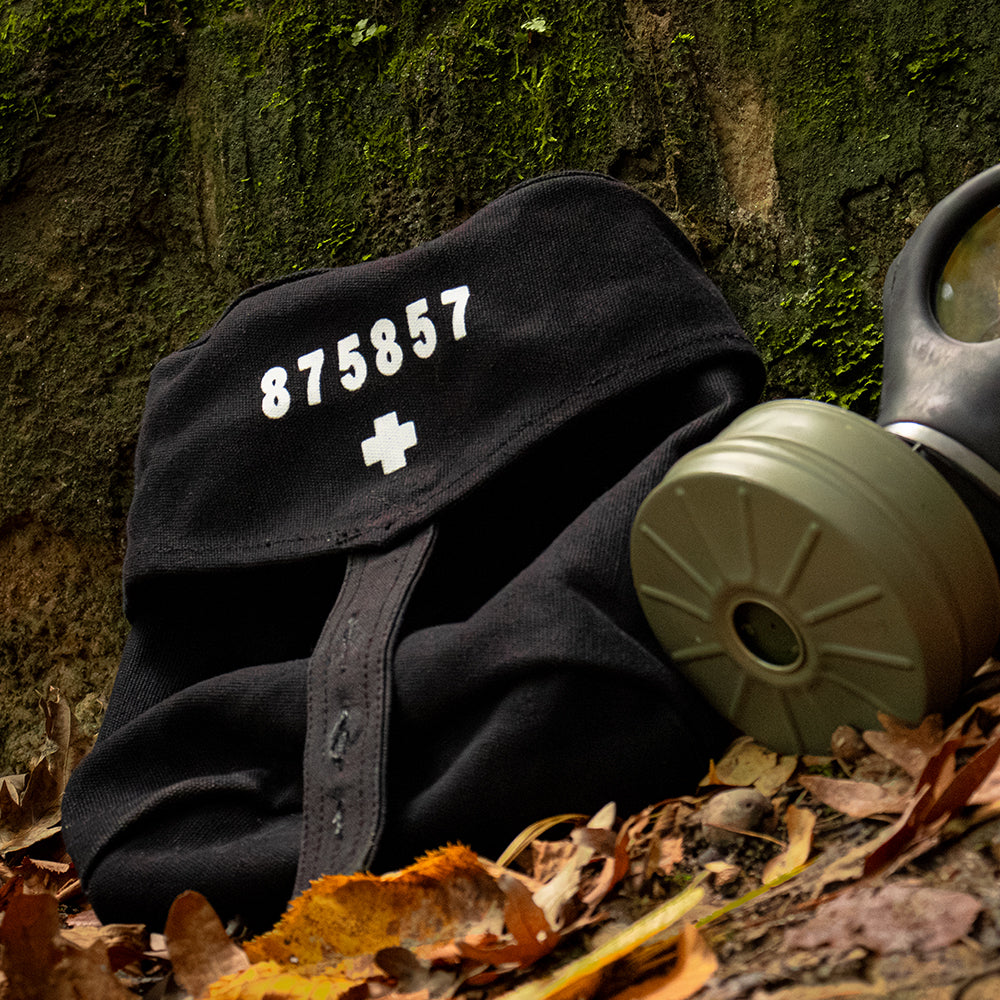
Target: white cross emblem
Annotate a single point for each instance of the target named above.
(390, 442)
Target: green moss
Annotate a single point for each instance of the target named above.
(333, 137)
(827, 343)
(936, 63)
(517, 102)
(129, 48)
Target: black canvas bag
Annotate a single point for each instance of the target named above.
(377, 571)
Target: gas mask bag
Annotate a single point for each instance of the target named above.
(377, 572)
(809, 568)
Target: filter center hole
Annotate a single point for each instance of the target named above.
(766, 635)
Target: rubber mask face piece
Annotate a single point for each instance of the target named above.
(967, 303)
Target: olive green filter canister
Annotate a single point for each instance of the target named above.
(807, 569)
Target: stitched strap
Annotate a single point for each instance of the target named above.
(348, 711)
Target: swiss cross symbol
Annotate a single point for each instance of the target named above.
(390, 442)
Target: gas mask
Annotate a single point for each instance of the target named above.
(810, 568)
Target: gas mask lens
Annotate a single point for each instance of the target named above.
(968, 295)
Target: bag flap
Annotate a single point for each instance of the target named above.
(341, 409)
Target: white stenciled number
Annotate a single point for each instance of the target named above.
(457, 297)
(313, 363)
(421, 329)
(352, 362)
(388, 353)
(276, 399)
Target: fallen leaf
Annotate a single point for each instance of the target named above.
(941, 792)
(579, 979)
(800, 823)
(548, 857)
(444, 895)
(670, 852)
(33, 815)
(696, 964)
(909, 748)
(533, 936)
(328, 941)
(556, 894)
(530, 834)
(200, 949)
(30, 805)
(846, 867)
(70, 743)
(983, 987)
(723, 872)
(747, 763)
(857, 799)
(28, 947)
(772, 781)
(657, 848)
(40, 965)
(41, 875)
(615, 868)
(414, 975)
(896, 918)
(271, 981)
(124, 943)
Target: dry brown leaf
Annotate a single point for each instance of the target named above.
(548, 857)
(857, 799)
(28, 945)
(530, 834)
(414, 976)
(40, 965)
(799, 823)
(33, 815)
(941, 792)
(670, 852)
(657, 848)
(747, 763)
(846, 867)
(557, 894)
(907, 747)
(615, 868)
(696, 964)
(124, 943)
(533, 936)
(772, 781)
(41, 875)
(989, 791)
(71, 744)
(896, 918)
(446, 894)
(200, 948)
(581, 978)
(328, 941)
(30, 804)
(723, 872)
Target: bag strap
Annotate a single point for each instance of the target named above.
(348, 710)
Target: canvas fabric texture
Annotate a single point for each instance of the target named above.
(377, 572)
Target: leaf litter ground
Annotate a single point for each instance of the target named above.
(869, 872)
